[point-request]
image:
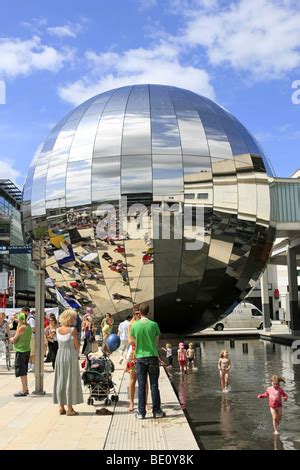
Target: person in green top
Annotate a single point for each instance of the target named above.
(145, 334)
(21, 342)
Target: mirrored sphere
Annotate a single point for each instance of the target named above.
(151, 194)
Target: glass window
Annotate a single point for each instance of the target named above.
(217, 139)
(109, 134)
(136, 174)
(192, 135)
(84, 138)
(189, 196)
(78, 183)
(202, 196)
(136, 134)
(106, 179)
(165, 133)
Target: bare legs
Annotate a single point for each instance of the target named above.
(276, 417)
(132, 382)
(224, 378)
(24, 383)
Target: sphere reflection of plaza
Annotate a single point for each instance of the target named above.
(155, 145)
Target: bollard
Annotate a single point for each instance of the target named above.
(245, 348)
(232, 344)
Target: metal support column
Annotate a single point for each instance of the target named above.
(39, 331)
(293, 290)
(264, 286)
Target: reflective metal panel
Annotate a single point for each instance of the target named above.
(167, 175)
(78, 183)
(136, 134)
(109, 135)
(192, 135)
(83, 142)
(56, 185)
(165, 133)
(216, 136)
(136, 174)
(106, 182)
(61, 148)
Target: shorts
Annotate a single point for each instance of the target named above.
(21, 363)
(32, 345)
(190, 359)
(182, 363)
(170, 360)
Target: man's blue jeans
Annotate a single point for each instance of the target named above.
(145, 366)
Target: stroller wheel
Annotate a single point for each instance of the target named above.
(107, 402)
(115, 398)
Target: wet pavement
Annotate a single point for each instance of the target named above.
(237, 419)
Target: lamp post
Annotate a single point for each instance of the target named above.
(38, 258)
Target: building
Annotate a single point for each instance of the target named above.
(11, 235)
(281, 280)
(175, 156)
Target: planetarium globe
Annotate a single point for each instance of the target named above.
(151, 194)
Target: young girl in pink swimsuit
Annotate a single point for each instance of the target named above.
(275, 394)
(182, 357)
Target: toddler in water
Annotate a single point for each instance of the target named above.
(191, 354)
(224, 366)
(169, 357)
(182, 357)
(275, 394)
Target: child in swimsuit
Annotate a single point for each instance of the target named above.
(182, 358)
(224, 366)
(191, 353)
(275, 394)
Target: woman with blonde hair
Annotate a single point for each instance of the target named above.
(67, 389)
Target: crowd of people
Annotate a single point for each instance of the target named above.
(138, 352)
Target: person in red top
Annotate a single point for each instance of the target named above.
(275, 394)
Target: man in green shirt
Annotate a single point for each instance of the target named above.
(145, 334)
(21, 342)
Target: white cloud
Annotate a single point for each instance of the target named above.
(67, 30)
(161, 65)
(146, 4)
(7, 170)
(21, 57)
(261, 37)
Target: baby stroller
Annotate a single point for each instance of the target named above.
(98, 379)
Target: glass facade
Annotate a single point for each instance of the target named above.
(176, 150)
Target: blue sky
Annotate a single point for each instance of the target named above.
(243, 54)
